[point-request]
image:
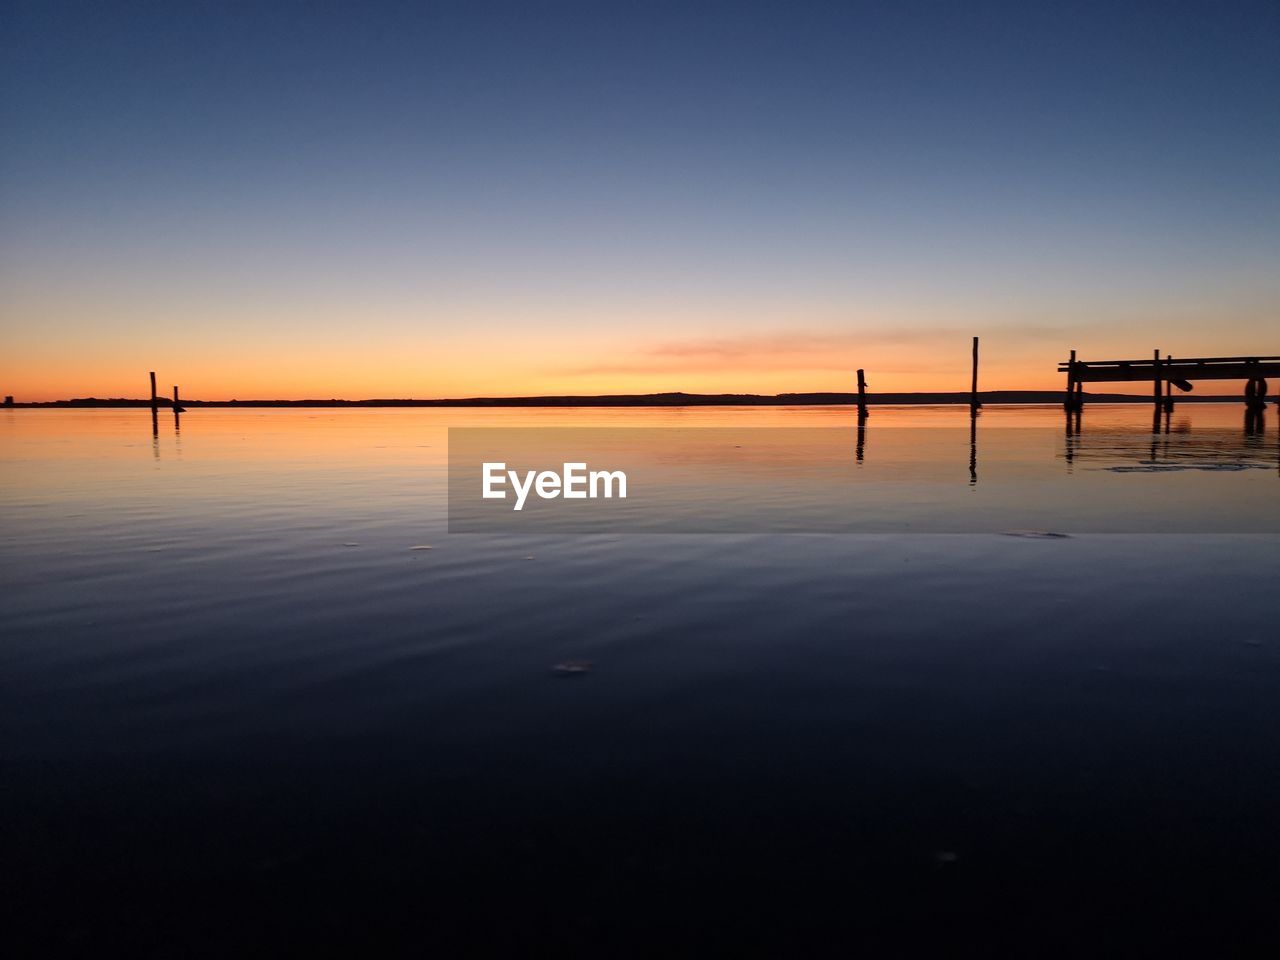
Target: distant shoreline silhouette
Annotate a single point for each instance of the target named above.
(647, 400)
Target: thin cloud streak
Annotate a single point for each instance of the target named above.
(784, 350)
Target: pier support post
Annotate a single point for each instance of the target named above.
(1255, 394)
(1070, 402)
(1159, 387)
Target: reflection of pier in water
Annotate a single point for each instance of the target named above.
(1172, 445)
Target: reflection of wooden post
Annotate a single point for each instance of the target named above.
(862, 393)
(973, 444)
(973, 388)
(153, 389)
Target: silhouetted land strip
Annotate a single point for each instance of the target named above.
(649, 400)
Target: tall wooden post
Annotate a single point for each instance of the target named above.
(973, 388)
(862, 393)
(1159, 388)
(153, 389)
(1168, 383)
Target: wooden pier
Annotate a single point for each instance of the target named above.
(1165, 373)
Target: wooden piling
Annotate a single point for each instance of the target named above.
(1159, 388)
(153, 389)
(973, 387)
(1071, 382)
(862, 393)
(1255, 394)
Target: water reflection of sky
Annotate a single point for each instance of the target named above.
(1208, 468)
(229, 665)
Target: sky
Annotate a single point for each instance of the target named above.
(288, 199)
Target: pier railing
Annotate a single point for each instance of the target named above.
(1164, 373)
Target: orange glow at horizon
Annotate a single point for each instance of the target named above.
(392, 356)
(509, 377)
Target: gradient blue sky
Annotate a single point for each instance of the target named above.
(292, 199)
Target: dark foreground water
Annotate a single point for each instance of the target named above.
(240, 714)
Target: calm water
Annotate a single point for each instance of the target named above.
(239, 712)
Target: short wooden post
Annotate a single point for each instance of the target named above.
(973, 387)
(1159, 388)
(862, 394)
(153, 389)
